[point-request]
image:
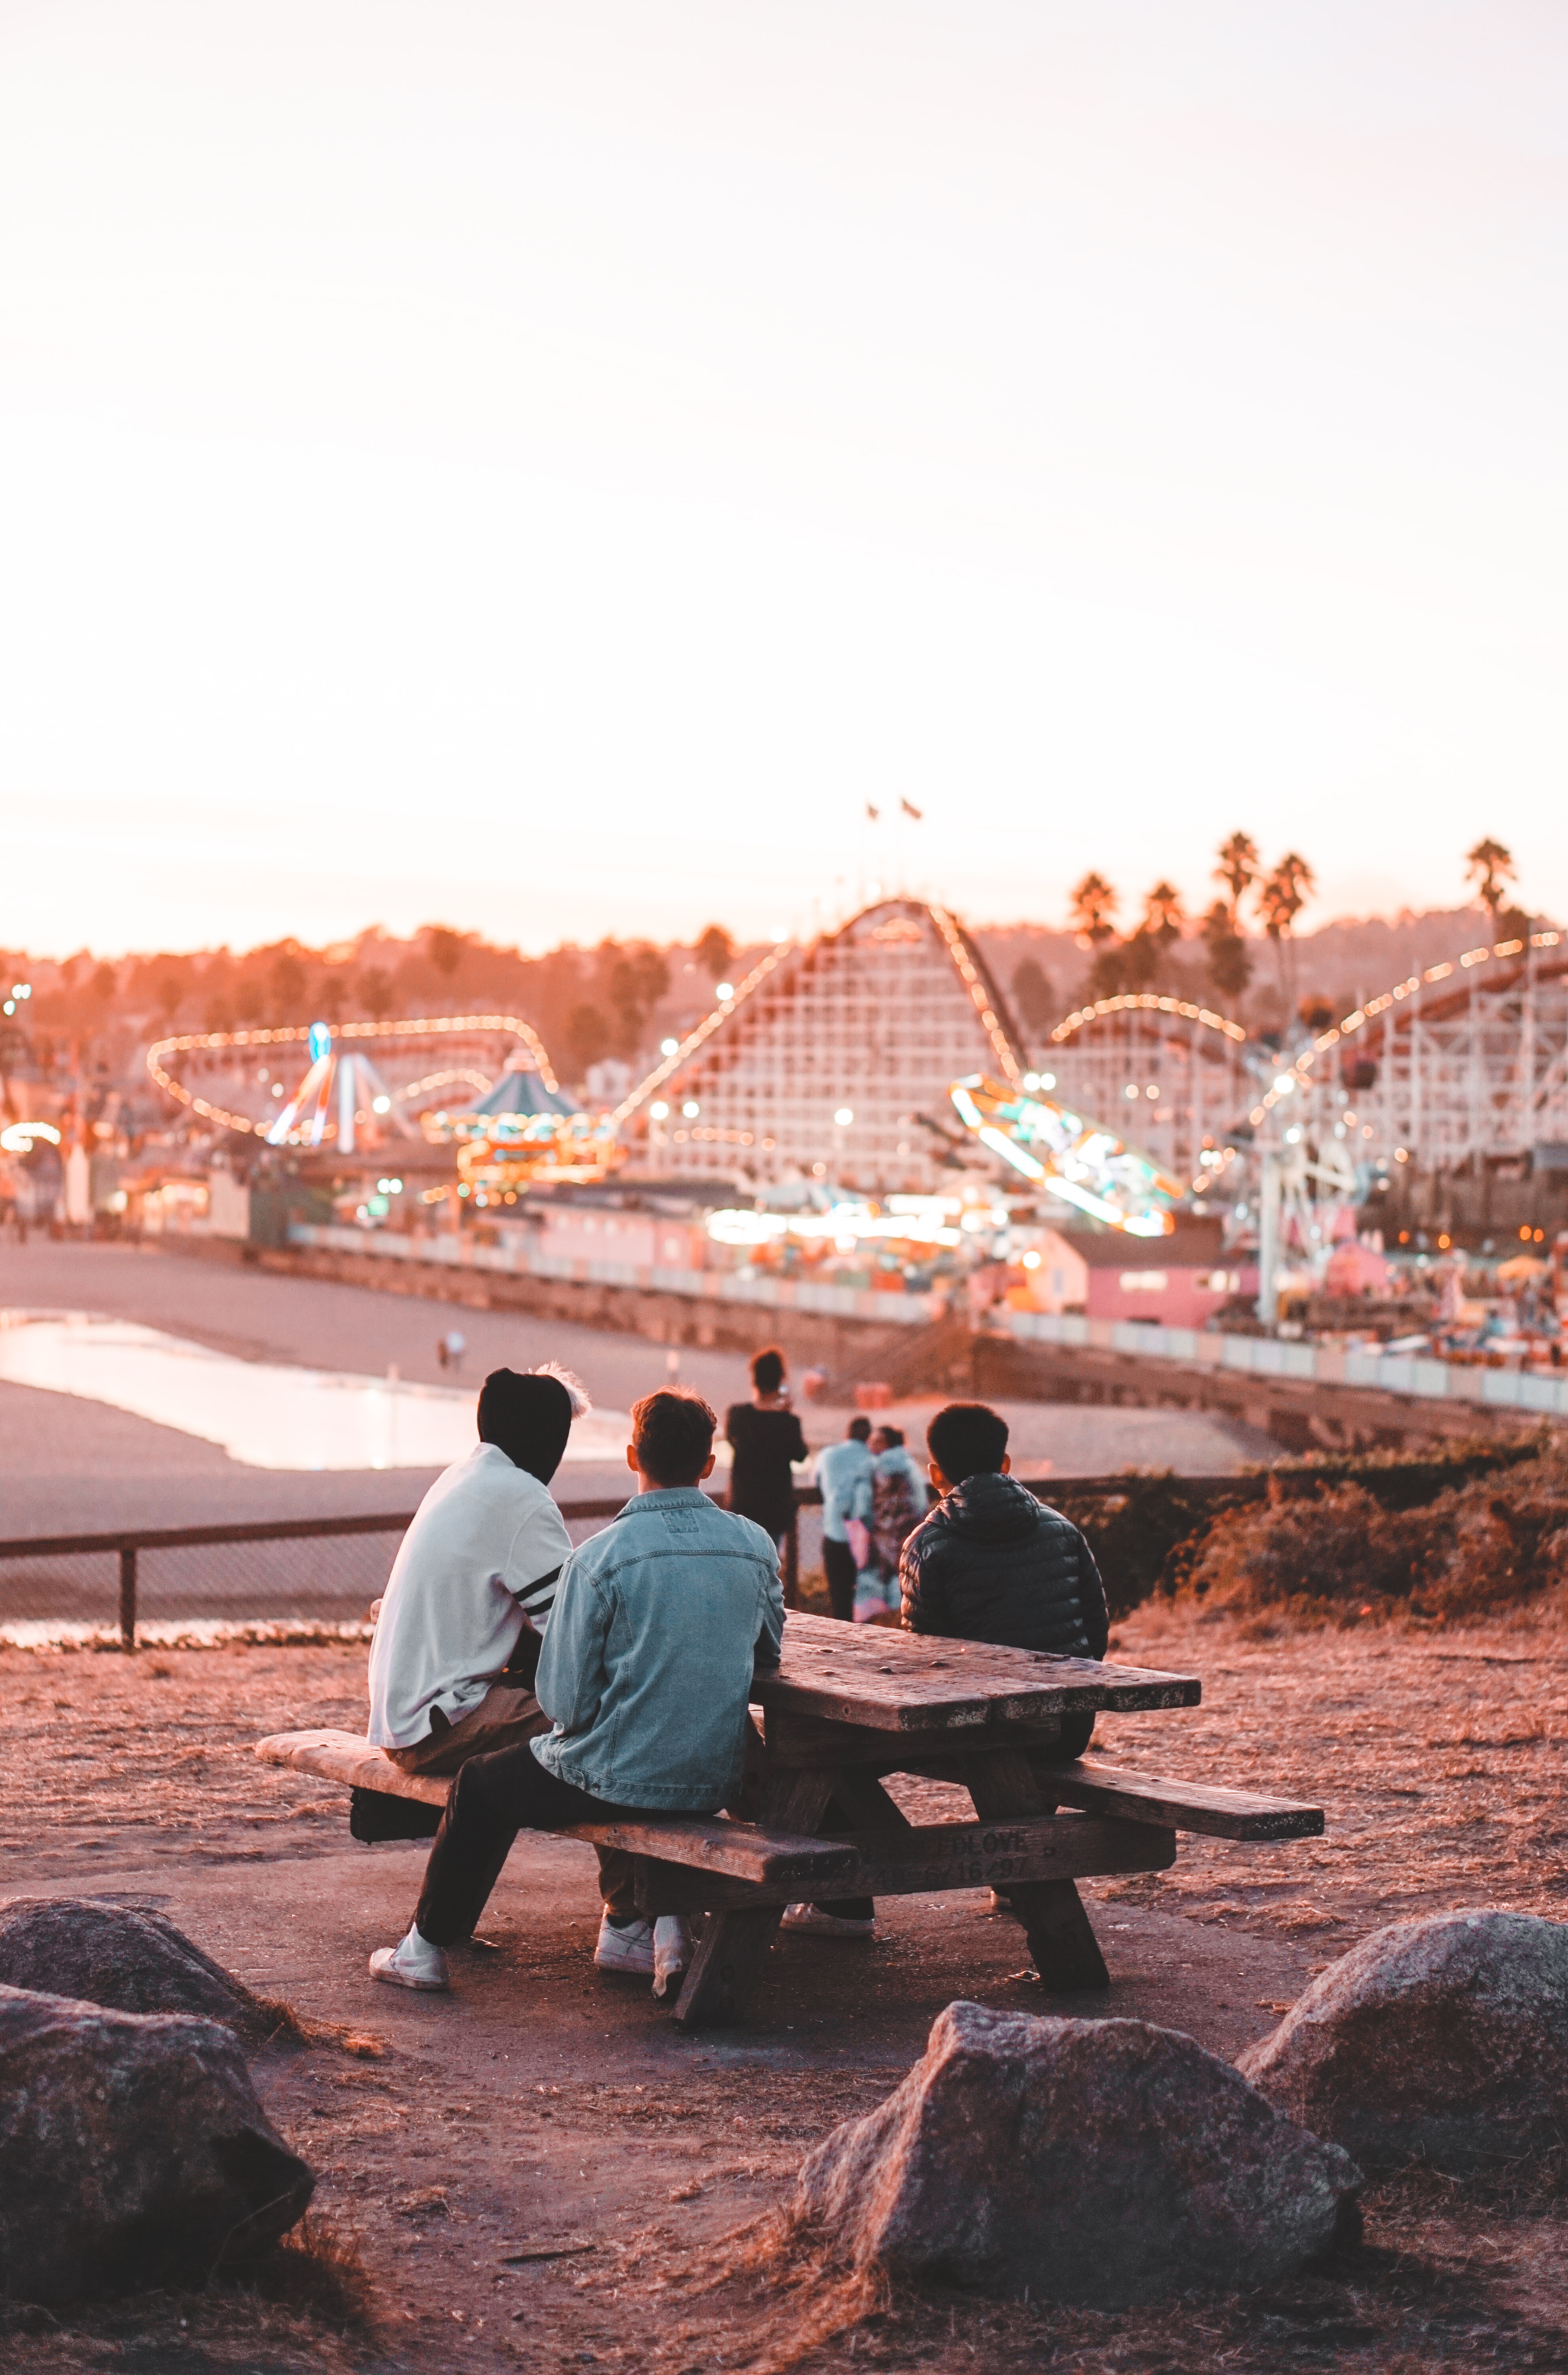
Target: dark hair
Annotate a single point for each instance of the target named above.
(857, 1430)
(768, 1369)
(528, 1417)
(966, 1439)
(672, 1433)
(893, 1437)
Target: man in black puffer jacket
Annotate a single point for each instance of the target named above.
(993, 1563)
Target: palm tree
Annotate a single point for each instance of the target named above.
(1090, 908)
(1238, 869)
(1489, 867)
(1230, 966)
(1164, 915)
(1282, 897)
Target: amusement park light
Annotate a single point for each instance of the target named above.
(318, 1039)
(380, 1105)
(1283, 1083)
(659, 1112)
(668, 1047)
(843, 1116)
(691, 1109)
(10, 1006)
(19, 1136)
(722, 989)
(22, 989)
(1031, 1259)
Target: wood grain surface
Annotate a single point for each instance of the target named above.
(888, 1681)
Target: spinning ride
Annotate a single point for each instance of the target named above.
(1065, 1156)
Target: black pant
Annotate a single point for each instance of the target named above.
(838, 1566)
(493, 1798)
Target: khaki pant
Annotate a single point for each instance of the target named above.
(505, 1717)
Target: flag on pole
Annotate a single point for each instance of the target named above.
(911, 810)
(871, 812)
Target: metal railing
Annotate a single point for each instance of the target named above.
(130, 1546)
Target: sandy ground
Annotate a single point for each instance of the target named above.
(543, 2107)
(116, 1469)
(74, 1466)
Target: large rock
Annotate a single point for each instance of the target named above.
(122, 1955)
(1445, 2038)
(133, 2151)
(1097, 2161)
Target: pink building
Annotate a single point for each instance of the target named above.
(1176, 1281)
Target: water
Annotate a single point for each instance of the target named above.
(263, 1413)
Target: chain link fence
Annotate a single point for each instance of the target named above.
(294, 1571)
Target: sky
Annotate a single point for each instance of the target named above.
(548, 470)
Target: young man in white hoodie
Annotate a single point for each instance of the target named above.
(460, 1626)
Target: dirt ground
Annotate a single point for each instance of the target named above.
(538, 2172)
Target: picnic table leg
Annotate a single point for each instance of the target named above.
(1061, 1939)
(734, 1946)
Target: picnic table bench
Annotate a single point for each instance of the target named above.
(846, 1707)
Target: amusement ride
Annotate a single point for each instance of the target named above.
(845, 1063)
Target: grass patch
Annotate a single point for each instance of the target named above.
(316, 2271)
(1342, 1554)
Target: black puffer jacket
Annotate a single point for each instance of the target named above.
(993, 1563)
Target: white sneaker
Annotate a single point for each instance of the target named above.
(412, 1963)
(631, 1949)
(825, 1925)
(672, 1950)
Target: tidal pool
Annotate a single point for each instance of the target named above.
(264, 1413)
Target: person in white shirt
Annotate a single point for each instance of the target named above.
(460, 1626)
(840, 1471)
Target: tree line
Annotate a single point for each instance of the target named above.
(1157, 953)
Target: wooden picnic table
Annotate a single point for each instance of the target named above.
(850, 1705)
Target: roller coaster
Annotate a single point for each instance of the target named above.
(829, 1060)
(1457, 1068)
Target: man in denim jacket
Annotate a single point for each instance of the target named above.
(645, 1675)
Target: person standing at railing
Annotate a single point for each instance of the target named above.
(765, 1439)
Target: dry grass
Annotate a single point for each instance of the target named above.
(317, 2270)
(1343, 1555)
(1431, 2285)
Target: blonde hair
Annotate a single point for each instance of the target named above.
(576, 1391)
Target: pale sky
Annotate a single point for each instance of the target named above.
(546, 467)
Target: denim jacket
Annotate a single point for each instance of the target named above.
(646, 1668)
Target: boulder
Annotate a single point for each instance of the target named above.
(1104, 2162)
(125, 1957)
(133, 2151)
(1445, 2038)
